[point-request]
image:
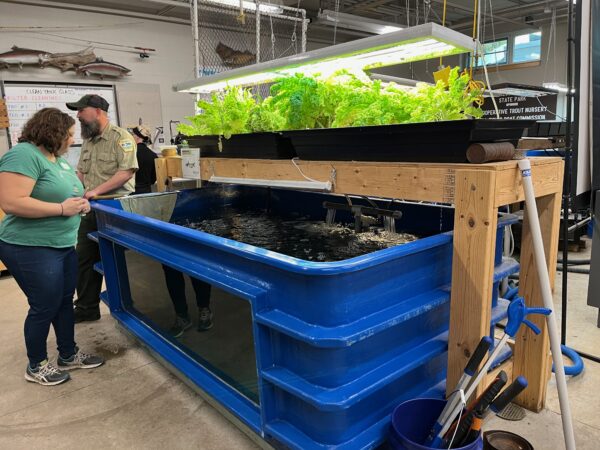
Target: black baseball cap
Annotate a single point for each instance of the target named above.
(92, 100)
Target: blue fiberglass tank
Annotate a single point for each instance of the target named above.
(309, 354)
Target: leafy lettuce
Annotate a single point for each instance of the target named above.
(342, 100)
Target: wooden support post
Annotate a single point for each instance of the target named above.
(531, 352)
(167, 168)
(475, 222)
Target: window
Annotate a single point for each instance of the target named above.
(512, 49)
(527, 47)
(495, 52)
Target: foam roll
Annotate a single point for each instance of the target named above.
(490, 151)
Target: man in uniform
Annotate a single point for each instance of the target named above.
(106, 167)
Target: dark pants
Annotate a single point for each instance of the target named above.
(47, 276)
(142, 189)
(89, 282)
(176, 287)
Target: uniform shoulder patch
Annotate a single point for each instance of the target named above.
(126, 144)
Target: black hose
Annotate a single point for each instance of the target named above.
(567, 174)
(576, 262)
(573, 270)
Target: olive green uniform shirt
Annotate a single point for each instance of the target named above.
(104, 155)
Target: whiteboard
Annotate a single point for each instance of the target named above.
(24, 99)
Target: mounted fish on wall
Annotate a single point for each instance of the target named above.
(102, 69)
(234, 58)
(22, 56)
(84, 62)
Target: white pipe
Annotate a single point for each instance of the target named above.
(194, 19)
(542, 271)
(99, 10)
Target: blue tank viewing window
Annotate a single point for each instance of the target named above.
(226, 349)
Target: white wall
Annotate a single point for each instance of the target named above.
(171, 63)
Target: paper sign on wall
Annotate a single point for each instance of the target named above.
(190, 159)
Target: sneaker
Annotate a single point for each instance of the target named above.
(46, 374)
(86, 316)
(80, 360)
(181, 324)
(204, 319)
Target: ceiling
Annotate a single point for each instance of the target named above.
(506, 15)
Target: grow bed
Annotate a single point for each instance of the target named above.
(251, 145)
(443, 142)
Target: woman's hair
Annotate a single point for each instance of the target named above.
(49, 127)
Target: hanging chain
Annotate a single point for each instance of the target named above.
(337, 13)
(272, 37)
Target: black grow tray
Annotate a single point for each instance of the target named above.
(444, 142)
(251, 145)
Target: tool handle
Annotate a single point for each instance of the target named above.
(491, 392)
(463, 428)
(508, 395)
(482, 402)
(482, 348)
(474, 431)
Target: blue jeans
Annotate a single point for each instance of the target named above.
(48, 277)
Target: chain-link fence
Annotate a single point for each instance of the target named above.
(230, 37)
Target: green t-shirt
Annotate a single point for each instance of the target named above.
(54, 183)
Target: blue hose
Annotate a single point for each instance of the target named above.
(577, 366)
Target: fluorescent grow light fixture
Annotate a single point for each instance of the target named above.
(407, 82)
(321, 186)
(418, 43)
(519, 90)
(250, 6)
(351, 22)
(558, 87)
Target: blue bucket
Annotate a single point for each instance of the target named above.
(412, 421)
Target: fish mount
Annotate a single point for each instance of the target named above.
(84, 62)
(234, 58)
(102, 69)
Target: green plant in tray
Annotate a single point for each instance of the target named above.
(342, 100)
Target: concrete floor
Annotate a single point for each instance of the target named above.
(133, 402)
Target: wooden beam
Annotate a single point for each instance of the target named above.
(536, 143)
(547, 179)
(531, 353)
(475, 222)
(433, 183)
(410, 181)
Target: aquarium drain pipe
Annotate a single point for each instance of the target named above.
(321, 186)
(542, 271)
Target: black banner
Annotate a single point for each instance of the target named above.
(515, 107)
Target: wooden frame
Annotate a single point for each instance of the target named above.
(477, 191)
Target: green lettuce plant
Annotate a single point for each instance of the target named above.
(228, 112)
(342, 100)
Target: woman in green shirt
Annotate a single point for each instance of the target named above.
(42, 198)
